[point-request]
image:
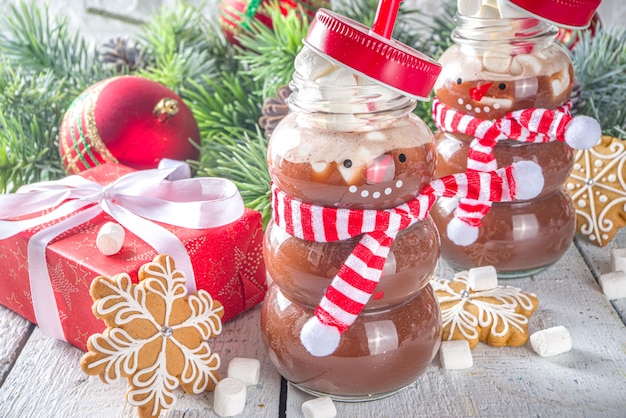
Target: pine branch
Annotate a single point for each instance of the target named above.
(184, 46)
(34, 41)
(224, 105)
(176, 69)
(268, 54)
(600, 66)
(31, 109)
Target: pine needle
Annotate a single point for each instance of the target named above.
(184, 46)
(34, 41)
(31, 109)
(268, 54)
(243, 161)
(600, 66)
(224, 104)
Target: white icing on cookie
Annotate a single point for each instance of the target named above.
(122, 349)
(494, 315)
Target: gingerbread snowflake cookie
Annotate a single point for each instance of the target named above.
(597, 185)
(497, 316)
(156, 336)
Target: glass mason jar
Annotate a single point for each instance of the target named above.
(355, 147)
(495, 67)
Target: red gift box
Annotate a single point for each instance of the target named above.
(226, 261)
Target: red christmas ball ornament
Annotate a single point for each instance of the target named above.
(129, 120)
(236, 14)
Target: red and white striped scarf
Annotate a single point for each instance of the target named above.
(527, 125)
(351, 288)
(532, 125)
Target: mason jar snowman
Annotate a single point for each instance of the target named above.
(503, 96)
(351, 248)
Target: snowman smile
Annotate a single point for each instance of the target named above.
(376, 194)
(487, 104)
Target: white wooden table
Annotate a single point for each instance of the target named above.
(40, 377)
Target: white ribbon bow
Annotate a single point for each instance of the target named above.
(167, 195)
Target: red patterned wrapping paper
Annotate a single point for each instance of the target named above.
(227, 262)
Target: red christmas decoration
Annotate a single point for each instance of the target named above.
(570, 37)
(235, 15)
(129, 120)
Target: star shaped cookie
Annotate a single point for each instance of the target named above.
(156, 336)
(497, 316)
(598, 190)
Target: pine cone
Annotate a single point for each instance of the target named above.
(120, 53)
(576, 96)
(274, 110)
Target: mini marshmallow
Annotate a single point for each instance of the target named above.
(497, 62)
(510, 12)
(488, 12)
(229, 398)
(560, 84)
(455, 355)
(311, 65)
(247, 370)
(529, 63)
(468, 7)
(551, 341)
(110, 238)
(322, 407)
(482, 278)
(618, 259)
(613, 285)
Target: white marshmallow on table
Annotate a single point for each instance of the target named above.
(110, 238)
(618, 259)
(229, 398)
(247, 370)
(613, 285)
(322, 407)
(482, 278)
(551, 341)
(455, 355)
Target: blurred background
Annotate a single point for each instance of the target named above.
(100, 20)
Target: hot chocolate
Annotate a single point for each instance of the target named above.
(383, 351)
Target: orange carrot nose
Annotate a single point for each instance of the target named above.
(477, 93)
(380, 170)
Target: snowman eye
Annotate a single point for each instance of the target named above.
(347, 163)
(459, 81)
(501, 86)
(402, 158)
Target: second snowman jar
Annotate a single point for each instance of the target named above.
(503, 96)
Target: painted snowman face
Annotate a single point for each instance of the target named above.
(361, 170)
(491, 85)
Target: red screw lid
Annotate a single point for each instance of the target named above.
(575, 14)
(372, 52)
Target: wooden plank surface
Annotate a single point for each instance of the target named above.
(590, 380)
(46, 380)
